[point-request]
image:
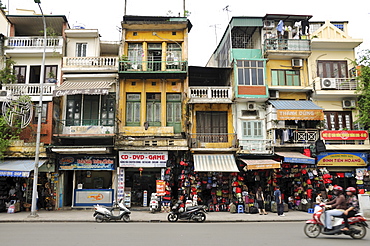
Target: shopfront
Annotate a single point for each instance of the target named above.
(138, 173)
(87, 180)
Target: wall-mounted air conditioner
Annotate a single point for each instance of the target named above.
(3, 93)
(297, 62)
(251, 106)
(274, 94)
(268, 24)
(328, 83)
(347, 103)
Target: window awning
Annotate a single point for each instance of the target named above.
(85, 87)
(295, 157)
(297, 110)
(215, 163)
(261, 164)
(18, 168)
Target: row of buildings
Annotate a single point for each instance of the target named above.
(118, 116)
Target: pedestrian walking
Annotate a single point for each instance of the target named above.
(260, 201)
(279, 202)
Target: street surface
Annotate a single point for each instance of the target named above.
(172, 234)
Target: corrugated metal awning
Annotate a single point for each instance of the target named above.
(85, 87)
(261, 164)
(18, 168)
(215, 163)
(297, 110)
(295, 157)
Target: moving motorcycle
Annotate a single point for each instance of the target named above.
(103, 213)
(315, 226)
(178, 211)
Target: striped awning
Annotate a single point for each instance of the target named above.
(215, 163)
(295, 157)
(84, 87)
(260, 164)
(18, 168)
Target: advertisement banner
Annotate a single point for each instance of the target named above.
(161, 187)
(87, 197)
(143, 158)
(86, 163)
(295, 114)
(344, 135)
(342, 159)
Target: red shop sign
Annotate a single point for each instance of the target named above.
(344, 135)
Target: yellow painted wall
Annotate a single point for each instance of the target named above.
(213, 107)
(146, 86)
(286, 64)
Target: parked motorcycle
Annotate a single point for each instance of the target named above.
(315, 226)
(178, 211)
(154, 203)
(103, 213)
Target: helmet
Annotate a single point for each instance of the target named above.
(351, 189)
(338, 188)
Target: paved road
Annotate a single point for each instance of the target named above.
(163, 234)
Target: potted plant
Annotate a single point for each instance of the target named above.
(52, 77)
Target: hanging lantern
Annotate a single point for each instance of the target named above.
(141, 170)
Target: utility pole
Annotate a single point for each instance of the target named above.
(215, 26)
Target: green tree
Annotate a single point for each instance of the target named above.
(6, 74)
(363, 89)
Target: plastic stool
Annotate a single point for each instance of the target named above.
(240, 209)
(310, 210)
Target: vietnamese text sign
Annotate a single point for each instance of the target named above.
(86, 163)
(342, 159)
(143, 158)
(294, 114)
(85, 197)
(344, 135)
(161, 187)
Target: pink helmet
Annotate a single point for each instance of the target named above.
(338, 188)
(351, 189)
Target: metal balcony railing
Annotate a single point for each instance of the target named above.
(210, 92)
(93, 62)
(287, 45)
(300, 136)
(340, 83)
(213, 140)
(30, 89)
(256, 145)
(34, 41)
(152, 66)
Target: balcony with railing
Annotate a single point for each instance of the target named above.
(294, 137)
(255, 146)
(335, 87)
(202, 94)
(213, 141)
(29, 89)
(152, 67)
(85, 127)
(277, 48)
(34, 44)
(92, 64)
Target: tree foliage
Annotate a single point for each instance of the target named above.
(363, 89)
(6, 74)
(7, 133)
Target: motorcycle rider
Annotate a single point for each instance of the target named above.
(338, 204)
(352, 203)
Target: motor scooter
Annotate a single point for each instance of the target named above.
(178, 211)
(154, 203)
(315, 226)
(103, 213)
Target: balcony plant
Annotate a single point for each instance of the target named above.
(52, 77)
(124, 64)
(6, 74)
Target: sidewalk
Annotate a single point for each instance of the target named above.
(86, 215)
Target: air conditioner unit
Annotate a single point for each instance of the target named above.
(268, 24)
(3, 93)
(297, 62)
(251, 106)
(328, 83)
(274, 94)
(349, 103)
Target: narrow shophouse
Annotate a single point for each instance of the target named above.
(85, 120)
(152, 122)
(333, 76)
(23, 49)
